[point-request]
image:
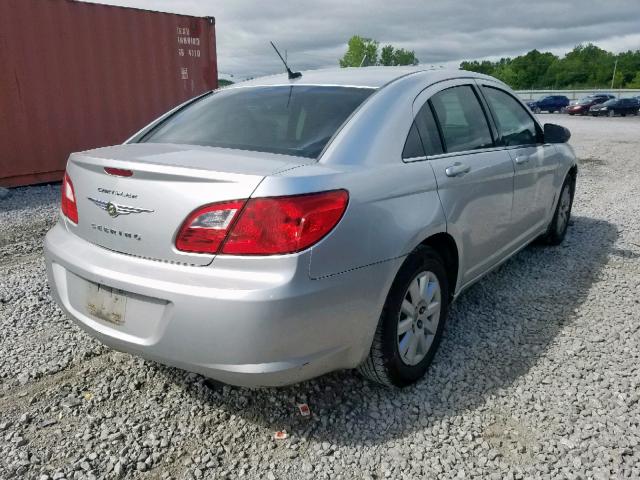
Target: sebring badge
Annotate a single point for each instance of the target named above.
(114, 210)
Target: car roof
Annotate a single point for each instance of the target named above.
(373, 77)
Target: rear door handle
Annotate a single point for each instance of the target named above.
(522, 160)
(457, 169)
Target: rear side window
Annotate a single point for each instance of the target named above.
(413, 146)
(462, 120)
(429, 130)
(515, 125)
(292, 120)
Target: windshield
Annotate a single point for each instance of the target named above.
(609, 102)
(586, 101)
(292, 120)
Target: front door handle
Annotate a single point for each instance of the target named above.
(522, 160)
(457, 169)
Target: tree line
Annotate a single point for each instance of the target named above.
(586, 66)
(365, 52)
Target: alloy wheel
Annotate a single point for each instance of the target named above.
(419, 317)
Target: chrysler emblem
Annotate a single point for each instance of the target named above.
(114, 210)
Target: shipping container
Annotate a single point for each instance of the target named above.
(76, 75)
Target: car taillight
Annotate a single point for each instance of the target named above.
(204, 229)
(68, 203)
(264, 226)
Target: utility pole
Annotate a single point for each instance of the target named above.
(613, 77)
(363, 59)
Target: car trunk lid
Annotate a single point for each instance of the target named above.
(141, 214)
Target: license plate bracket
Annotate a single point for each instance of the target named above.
(108, 304)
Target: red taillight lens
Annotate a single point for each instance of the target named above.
(263, 226)
(118, 172)
(68, 203)
(278, 225)
(204, 230)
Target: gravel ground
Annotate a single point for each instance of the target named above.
(537, 376)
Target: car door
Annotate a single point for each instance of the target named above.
(629, 106)
(535, 163)
(475, 179)
(622, 107)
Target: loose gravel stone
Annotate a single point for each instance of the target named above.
(538, 374)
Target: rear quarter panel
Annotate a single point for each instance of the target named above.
(392, 208)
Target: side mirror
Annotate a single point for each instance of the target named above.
(556, 133)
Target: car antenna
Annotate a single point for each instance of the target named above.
(292, 75)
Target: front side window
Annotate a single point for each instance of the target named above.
(292, 120)
(462, 120)
(515, 125)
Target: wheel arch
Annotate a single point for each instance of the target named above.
(446, 246)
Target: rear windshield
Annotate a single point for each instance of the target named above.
(292, 120)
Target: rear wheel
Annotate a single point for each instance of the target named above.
(410, 327)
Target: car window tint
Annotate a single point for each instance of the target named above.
(429, 130)
(293, 120)
(515, 125)
(463, 124)
(413, 145)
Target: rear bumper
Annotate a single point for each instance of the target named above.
(244, 321)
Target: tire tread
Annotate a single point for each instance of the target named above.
(373, 367)
(377, 367)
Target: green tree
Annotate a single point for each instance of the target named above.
(506, 73)
(387, 55)
(405, 57)
(530, 68)
(361, 51)
(359, 47)
(586, 66)
(635, 82)
(629, 65)
(485, 66)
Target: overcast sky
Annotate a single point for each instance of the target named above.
(315, 33)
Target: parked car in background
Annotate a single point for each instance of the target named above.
(620, 106)
(582, 106)
(279, 229)
(551, 104)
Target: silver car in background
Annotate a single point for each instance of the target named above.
(276, 230)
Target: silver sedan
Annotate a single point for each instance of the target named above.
(279, 229)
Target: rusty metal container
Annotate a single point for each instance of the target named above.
(75, 76)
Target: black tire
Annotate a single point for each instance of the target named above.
(557, 229)
(384, 364)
